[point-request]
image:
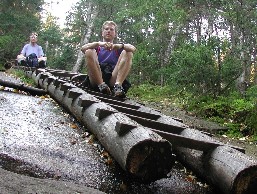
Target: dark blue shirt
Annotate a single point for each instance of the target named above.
(108, 57)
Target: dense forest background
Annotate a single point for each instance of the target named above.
(200, 54)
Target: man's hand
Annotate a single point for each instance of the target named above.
(107, 45)
(118, 46)
(110, 46)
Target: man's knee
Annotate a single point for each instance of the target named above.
(127, 55)
(90, 53)
(23, 63)
(42, 64)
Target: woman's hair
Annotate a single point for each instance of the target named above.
(112, 23)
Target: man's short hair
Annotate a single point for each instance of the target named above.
(112, 23)
(33, 34)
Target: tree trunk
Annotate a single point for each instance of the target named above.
(168, 51)
(171, 44)
(33, 91)
(198, 29)
(91, 15)
(254, 65)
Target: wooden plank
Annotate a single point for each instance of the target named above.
(136, 112)
(157, 125)
(179, 140)
(112, 101)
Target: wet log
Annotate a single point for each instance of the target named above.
(229, 169)
(137, 149)
(32, 90)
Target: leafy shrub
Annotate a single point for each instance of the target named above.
(148, 92)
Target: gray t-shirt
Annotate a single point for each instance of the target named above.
(28, 49)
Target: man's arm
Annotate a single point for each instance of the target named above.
(21, 56)
(108, 46)
(23, 51)
(40, 51)
(92, 45)
(126, 47)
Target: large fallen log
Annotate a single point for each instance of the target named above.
(22, 87)
(224, 166)
(137, 149)
(231, 170)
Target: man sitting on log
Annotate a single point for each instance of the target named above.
(108, 63)
(32, 54)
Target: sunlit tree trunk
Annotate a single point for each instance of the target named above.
(168, 51)
(91, 15)
(198, 29)
(254, 65)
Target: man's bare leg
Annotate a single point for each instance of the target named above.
(94, 71)
(120, 73)
(93, 68)
(122, 68)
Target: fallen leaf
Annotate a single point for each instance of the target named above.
(73, 141)
(91, 139)
(15, 91)
(84, 135)
(242, 138)
(105, 154)
(74, 126)
(190, 178)
(123, 187)
(109, 161)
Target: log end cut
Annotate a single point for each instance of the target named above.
(150, 160)
(246, 181)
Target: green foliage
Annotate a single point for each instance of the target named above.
(4, 41)
(236, 113)
(251, 93)
(192, 66)
(151, 93)
(18, 19)
(20, 74)
(64, 60)
(59, 51)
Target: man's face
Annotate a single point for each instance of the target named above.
(33, 38)
(109, 32)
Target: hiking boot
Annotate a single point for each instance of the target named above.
(104, 88)
(118, 91)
